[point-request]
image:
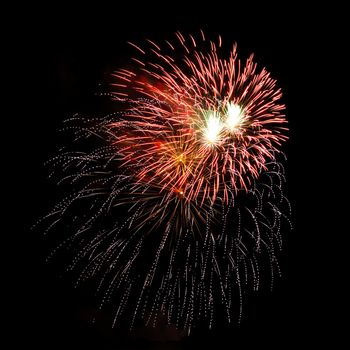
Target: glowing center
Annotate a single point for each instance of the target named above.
(181, 158)
(213, 128)
(234, 116)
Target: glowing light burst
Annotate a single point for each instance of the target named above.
(234, 117)
(180, 196)
(212, 129)
(203, 97)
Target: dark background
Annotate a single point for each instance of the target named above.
(63, 56)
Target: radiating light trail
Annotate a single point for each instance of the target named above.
(177, 198)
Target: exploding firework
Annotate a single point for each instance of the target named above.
(178, 197)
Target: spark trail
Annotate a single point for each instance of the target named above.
(177, 200)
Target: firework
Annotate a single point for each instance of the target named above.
(180, 195)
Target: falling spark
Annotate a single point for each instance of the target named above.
(177, 198)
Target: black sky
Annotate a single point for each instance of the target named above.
(63, 56)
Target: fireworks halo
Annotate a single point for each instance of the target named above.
(180, 196)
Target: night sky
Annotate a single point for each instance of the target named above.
(63, 59)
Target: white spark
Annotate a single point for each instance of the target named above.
(234, 116)
(213, 128)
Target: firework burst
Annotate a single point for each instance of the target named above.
(182, 198)
(221, 118)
